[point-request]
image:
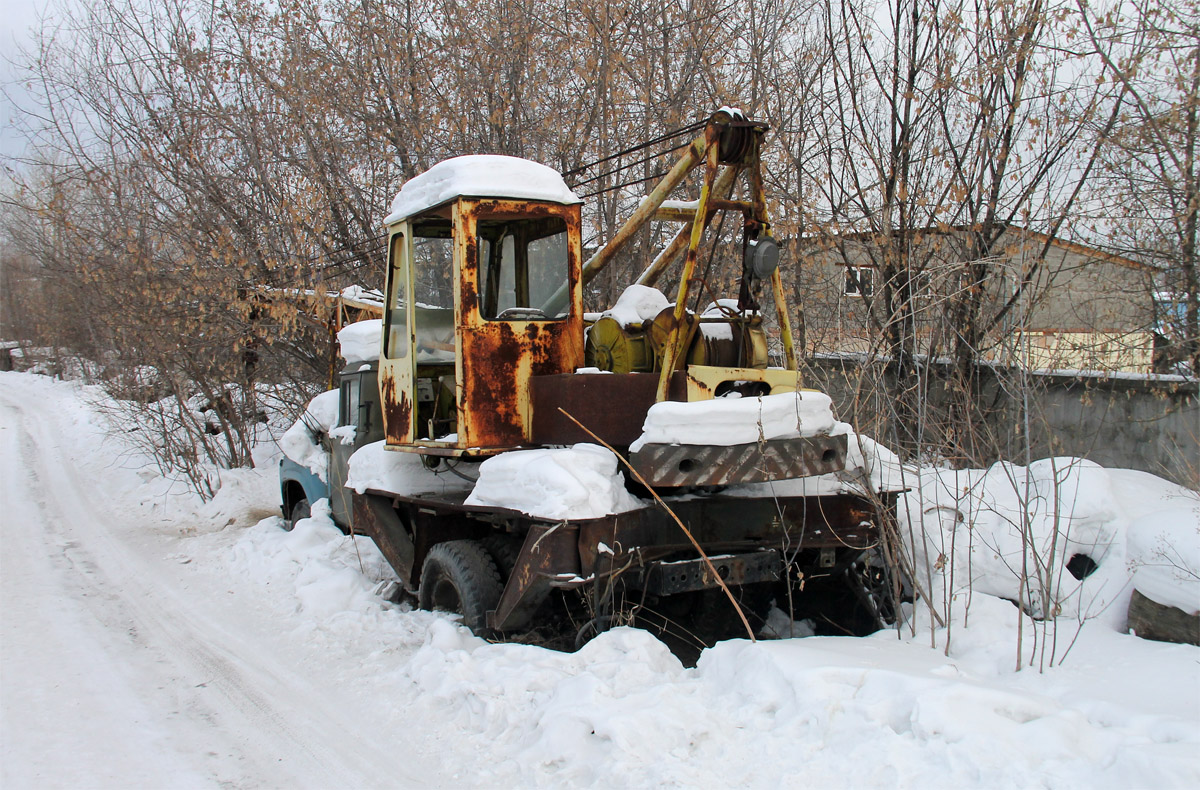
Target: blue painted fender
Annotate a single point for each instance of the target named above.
(291, 475)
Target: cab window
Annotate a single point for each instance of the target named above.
(395, 344)
(522, 263)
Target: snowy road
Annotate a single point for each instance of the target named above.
(149, 640)
(119, 669)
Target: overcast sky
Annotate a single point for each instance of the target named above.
(16, 19)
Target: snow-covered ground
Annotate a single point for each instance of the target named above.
(149, 640)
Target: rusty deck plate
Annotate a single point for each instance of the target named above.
(675, 465)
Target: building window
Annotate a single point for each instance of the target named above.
(860, 281)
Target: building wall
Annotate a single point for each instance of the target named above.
(1085, 309)
(1086, 291)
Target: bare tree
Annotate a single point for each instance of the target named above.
(1151, 176)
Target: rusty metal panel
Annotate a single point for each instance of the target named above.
(674, 465)
(842, 520)
(550, 553)
(396, 365)
(397, 408)
(375, 517)
(613, 406)
(733, 524)
(497, 359)
(729, 524)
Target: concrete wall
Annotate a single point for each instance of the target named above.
(1147, 424)
(1150, 424)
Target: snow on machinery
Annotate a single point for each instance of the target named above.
(487, 355)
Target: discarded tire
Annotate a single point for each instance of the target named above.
(1152, 620)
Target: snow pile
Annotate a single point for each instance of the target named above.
(243, 497)
(637, 304)
(577, 482)
(875, 712)
(681, 205)
(723, 308)
(360, 294)
(729, 421)
(304, 442)
(331, 574)
(376, 468)
(1164, 553)
(359, 341)
(479, 176)
(869, 462)
(720, 309)
(717, 331)
(871, 712)
(1061, 524)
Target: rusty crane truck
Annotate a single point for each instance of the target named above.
(485, 350)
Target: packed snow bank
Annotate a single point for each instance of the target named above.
(243, 496)
(479, 176)
(259, 658)
(876, 712)
(1062, 525)
(1164, 553)
(359, 342)
(884, 711)
(871, 464)
(729, 421)
(377, 468)
(577, 482)
(304, 442)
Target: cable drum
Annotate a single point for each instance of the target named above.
(738, 137)
(611, 347)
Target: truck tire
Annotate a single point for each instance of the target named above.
(505, 549)
(299, 510)
(460, 576)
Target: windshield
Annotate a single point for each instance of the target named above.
(522, 263)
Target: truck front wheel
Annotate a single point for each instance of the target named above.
(299, 510)
(460, 576)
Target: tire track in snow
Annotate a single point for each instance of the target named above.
(169, 695)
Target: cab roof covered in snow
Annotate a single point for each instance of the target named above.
(479, 176)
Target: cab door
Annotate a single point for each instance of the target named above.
(515, 255)
(397, 355)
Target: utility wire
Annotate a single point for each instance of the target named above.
(639, 147)
(634, 163)
(622, 185)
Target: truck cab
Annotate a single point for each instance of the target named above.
(359, 422)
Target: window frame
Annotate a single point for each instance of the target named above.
(856, 284)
